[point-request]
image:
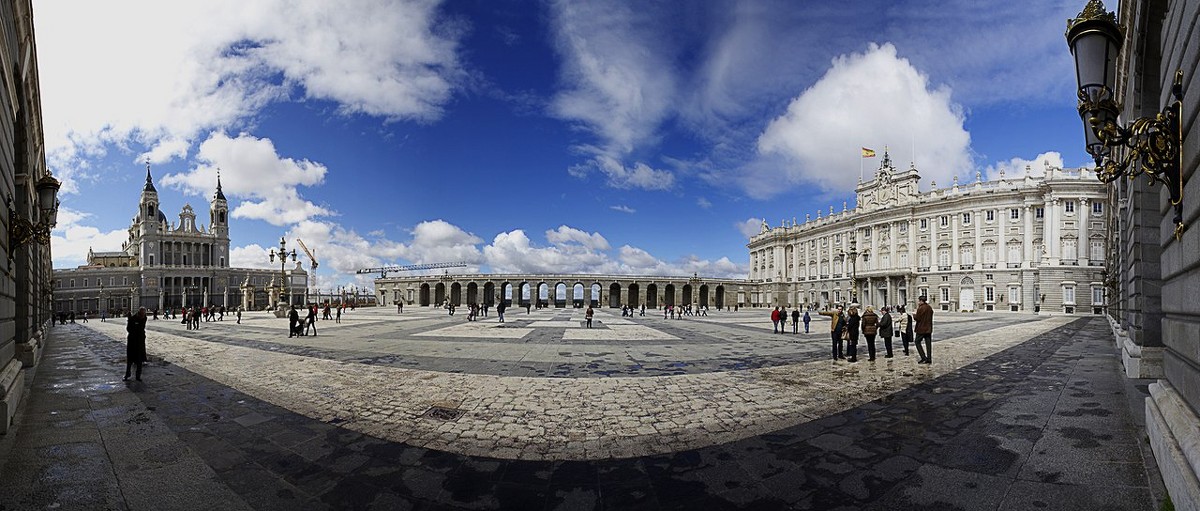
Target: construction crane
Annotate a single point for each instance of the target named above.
(383, 271)
(309, 252)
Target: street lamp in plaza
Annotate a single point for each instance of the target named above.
(132, 293)
(852, 256)
(100, 298)
(283, 257)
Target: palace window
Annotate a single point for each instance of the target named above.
(903, 259)
(944, 257)
(945, 278)
(989, 254)
(1097, 295)
(85, 283)
(924, 279)
(967, 255)
(944, 221)
(924, 223)
(966, 219)
(989, 294)
(923, 258)
(1014, 253)
(988, 276)
(125, 281)
(991, 215)
(1014, 296)
(1097, 208)
(1069, 295)
(72, 282)
(1069, 253)
(1039, 213)
(866, 232)
(1096, 251)
(903, 227)
(1014, 213)
(945, 294)
(1069, 206)
(112, 281)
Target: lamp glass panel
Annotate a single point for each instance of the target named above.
(1093, 60)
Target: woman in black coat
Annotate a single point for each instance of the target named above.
(135, 351)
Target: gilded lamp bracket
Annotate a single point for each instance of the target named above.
(1149, 145)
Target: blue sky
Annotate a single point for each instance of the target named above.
(522, 136)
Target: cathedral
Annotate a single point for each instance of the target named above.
(166, 264)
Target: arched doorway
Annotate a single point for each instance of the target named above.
(577, 298)
(423, 298)
(594, 299)
(472, 293)
(720, 297)
(687, 295)
(543, 294)
(669, 298)
(633, 295)
(614, 295)
(439, 294)
(506, 294)
(526, 298)
(456, 294)
(704, 295)
(560, 295)
(966, 295)
(489, 294)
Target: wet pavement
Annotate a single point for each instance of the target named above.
(1048, 423)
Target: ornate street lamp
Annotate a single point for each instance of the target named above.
(1152, 145)
(100, 299)
(21, 230)
(852, 256)
(283, 257)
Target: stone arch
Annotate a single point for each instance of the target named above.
(577, 297)
(525, 298)
(967, 281)
(489, 294)
(614, 295)
(594, 294)
(687, 295)
(720, 298)
(423, 296)
(472, 293)
(704, 295)
(506, 293)
(560, 295)
(456, 294)
(439, 294)
(669, 297)
(652, 295)
(543, 294)
(632, 292)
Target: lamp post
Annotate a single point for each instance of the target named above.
(283, 257)
(132, 294)
(100, 299)
(1150, 145)
(852, 256)
(21, 230)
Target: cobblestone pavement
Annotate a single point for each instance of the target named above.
(1017, 412)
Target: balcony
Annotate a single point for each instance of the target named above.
(1014, 265)
(922, 269)
(989, 266)
(837, 275)
(943, 268)
(966, 266)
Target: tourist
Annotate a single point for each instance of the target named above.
(666, 310)
(135, 350)
(293, 322)
(924, 330)
(239, 315)
(807, 319)
(500, 310)
(643, 313)
(399, 308)
(338, 315)
(905, 328)
(837, 330)
(775, 320)
(870, 327)
(85, 315)
(796, 321)
(310, 321)
(885, 331)
(589, 315)
(853, 321)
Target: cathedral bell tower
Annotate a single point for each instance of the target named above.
(219, 212)
(148, 207)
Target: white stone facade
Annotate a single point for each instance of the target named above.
(1024, 244)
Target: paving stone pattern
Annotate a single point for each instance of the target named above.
(1042, 421)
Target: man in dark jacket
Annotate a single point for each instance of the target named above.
(853, 320)
(837, 324)
(906, 328)
(870, 327)
(796, 321)
(885, 331)
(293, 322)
(924, 330)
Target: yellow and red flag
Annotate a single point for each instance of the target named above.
(868, 153)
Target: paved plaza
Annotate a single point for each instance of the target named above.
(423, 410)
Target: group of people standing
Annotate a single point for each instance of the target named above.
(845, 326)
(779, 318)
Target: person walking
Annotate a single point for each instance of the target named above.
(239, 315)
(796, 321)
(588, 315)
(924, 330)
(310, 321)
(338, 318)
(135, 350)
(643, 313)
(853, 323)
(775, 320)
(837, 330)
(807, 319)
(500, 310)
(293, 322)
(885, 331)
(870, 327)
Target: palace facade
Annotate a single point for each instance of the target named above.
(1034, 243)
(167, 264)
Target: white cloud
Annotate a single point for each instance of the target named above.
(252, 170)
(163, 73)
(623, 208)
(70, 240)
(703, 203)
(1018, 167)
(565, 235)
(749, 227)
(617, 85)
(865, 100)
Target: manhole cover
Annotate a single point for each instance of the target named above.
(442, 413)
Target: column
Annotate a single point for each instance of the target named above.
(1083, 245)
(1001, 243)
(1028, 236)
(978, 251)
(894, 248)
(954, 262)
(1053, 239)
(912, 245)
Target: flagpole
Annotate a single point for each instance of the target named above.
(860, 165)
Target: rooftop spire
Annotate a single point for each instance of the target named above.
(220, 194)
(149, 182)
